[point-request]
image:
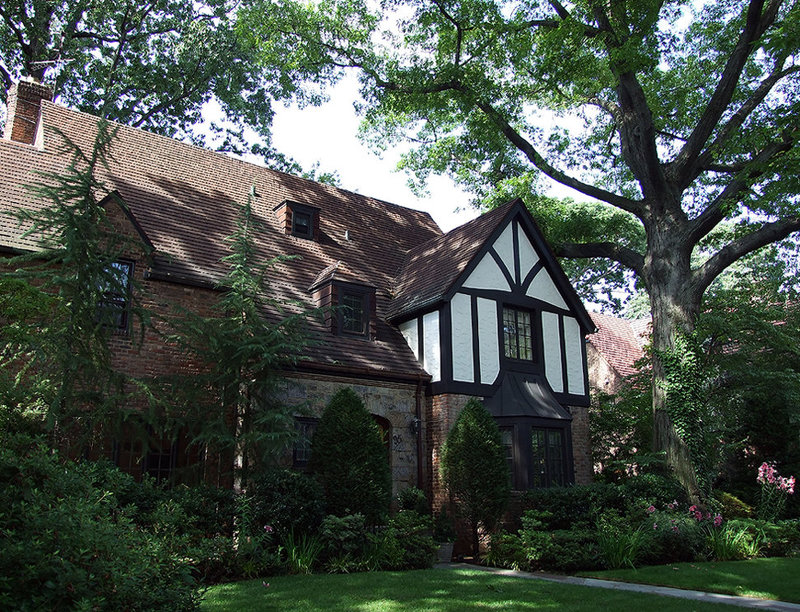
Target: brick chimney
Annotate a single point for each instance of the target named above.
(23, 107)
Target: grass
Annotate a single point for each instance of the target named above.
(427, 590)
(774, 578)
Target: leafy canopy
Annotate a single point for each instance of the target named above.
(155, 64)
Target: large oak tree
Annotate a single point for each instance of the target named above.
(687, 116)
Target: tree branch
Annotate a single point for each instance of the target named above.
(607, 250)
(525, 147)
(756, 24)
(701, 225)
(735, 122)
(766, 234)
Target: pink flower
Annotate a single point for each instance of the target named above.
(673, 505)
(655, 525)
(675, 528)
(692, 508)
(651, 509)
(268, 528)
(718, 520)
(698, 515)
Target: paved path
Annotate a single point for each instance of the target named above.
(733, 600)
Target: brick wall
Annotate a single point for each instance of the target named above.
(441, 413)
(581, 445)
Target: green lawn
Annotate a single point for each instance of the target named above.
(777, 578)
(435, 590)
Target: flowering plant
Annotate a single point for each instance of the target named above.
(774, 490)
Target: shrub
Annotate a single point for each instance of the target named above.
(404, 544)
(66, 545)
(506, 550)
(348, 457)
(412, 498)
(562, 550)
(731, 506)
(344, 535)
(732, 543)
(287, 501)
(474, 468)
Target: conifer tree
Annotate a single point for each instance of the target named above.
(349, 458)
(474, 468)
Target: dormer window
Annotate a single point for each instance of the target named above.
(299, 220)
(302, 224)
(354, 308)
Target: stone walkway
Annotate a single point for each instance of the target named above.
(733, 600)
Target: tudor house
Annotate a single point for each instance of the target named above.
(418, 321)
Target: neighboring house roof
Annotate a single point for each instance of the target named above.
(183, 197)
(620, 341)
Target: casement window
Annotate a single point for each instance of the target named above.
(517, 334)
(353, 310)
(548, 458)
(305, 428)
(114, 306)
(537, 456)
(507, 439)
(160, 458)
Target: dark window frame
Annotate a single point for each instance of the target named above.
(363, 295)
(301, 449)
(115, 302)
(524, 475)
(512, 350)
(305, 212)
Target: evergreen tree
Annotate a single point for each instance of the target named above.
(232, 404)
(349, 458)
(61, 312)
(474, 468)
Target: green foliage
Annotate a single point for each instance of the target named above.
(687, 383)
(288, 501)
(232, 404)
(413, 498)
(67, 543)
(752, 333)
(344, 535)
(167, 60)
(348, 457)
(731, 543)
(408, 533)
(302, 552)
(444, 529)
(474, 468)
(620, 547)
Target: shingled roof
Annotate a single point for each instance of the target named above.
(183, 197)
(431, 269)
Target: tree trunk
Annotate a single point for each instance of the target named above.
(674, 308)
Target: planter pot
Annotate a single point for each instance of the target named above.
(445, 552)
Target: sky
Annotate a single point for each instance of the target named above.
(327, 134)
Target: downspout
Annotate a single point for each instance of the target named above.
(418, 417)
